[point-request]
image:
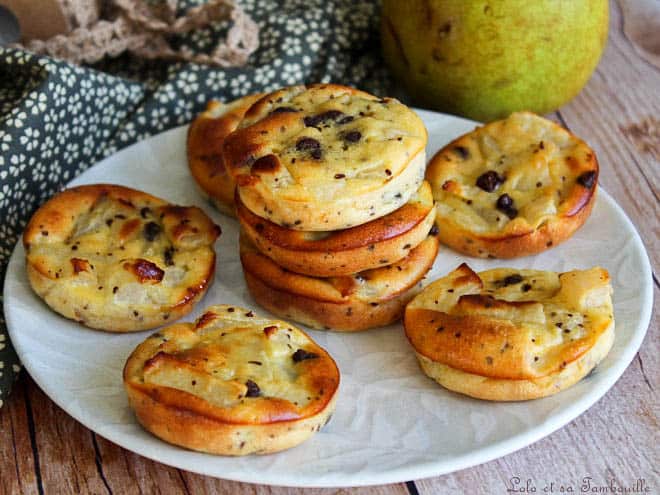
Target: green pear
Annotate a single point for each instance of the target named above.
(486, 59)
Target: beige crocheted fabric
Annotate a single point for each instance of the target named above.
(142, 27)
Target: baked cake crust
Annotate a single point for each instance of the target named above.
(118, 259)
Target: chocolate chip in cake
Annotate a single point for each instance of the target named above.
(253, 389)
(489, 181)
(512, 280)
(587, 179)
(307, 144)
(316, 120)
(302, 355)
(151, 231)
(505, 205)
(352, 136)
(462, 152)
(168, 255)
(284, 110)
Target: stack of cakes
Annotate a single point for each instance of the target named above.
(337, 221)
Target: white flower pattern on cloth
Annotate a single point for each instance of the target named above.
(58, 119)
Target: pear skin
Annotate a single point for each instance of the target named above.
(487, 59)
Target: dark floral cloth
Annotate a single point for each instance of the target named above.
(57, 119)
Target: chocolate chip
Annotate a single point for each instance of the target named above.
(253, 389)
(587, 179)
(526, 288)
(339, 176)
(284, 110)
(109, 221)
(505, 205)
(316, 154)
(462, 151)
(311, 145)
(259, 227)
(352, 136)
(489, 181)
(302, 355)
(315, 120)
(169, 256)
(504, 201)
(388, 172)
(145, 211)
(151, 231)
(345, 120)
(512, 280)
(307, 144)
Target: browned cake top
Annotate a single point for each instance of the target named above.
(324, 147)
(506, 323)
(236, 367)
(510, 176)
(108, 245)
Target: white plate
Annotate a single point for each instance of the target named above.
(392, 423)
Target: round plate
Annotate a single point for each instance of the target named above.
(392, 423)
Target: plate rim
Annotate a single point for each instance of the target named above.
(424, 469)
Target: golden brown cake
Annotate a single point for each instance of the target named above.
(377, 243)
(508, 334)
(117, 259)
(232, 383)
(368, 299)
(513, 187)
(206, 135)
(326, 157)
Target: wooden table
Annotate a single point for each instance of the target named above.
(43, 450)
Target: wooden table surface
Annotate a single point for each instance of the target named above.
(43, 450)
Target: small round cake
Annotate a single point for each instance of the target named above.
(232, 383)
(508, 334)
(326, 157)
(206, 136)
(377, 243)
(372, 298)
(117, 259)
(513, 187)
